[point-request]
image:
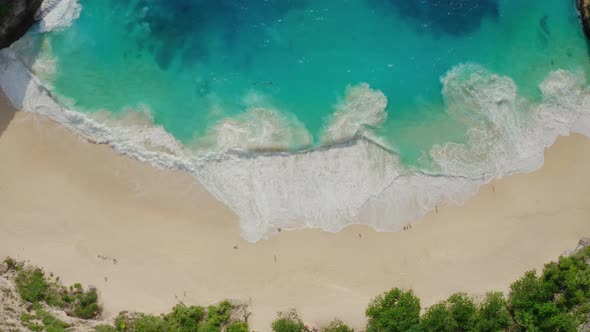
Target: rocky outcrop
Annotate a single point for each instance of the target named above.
(584, 11)
(16, 18)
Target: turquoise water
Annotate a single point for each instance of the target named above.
(313, 113)
(193, 63)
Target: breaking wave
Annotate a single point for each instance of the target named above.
(352, 178)
(57, 14)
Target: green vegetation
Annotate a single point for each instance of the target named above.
(288, 322)
(394, 311)
(556, 300)
(34, 287)
(338, 326)
(42, 319)
(182, 319)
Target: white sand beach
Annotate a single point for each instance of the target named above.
(148, 238)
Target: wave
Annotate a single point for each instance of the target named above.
(57, 14)
(256, 130)
(357, 180)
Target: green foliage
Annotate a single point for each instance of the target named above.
(493, 314)
(394, 311)
(50, 323)
(464, 311)
(533, 308)
(338, 326)
(11, 263)
(569, 282)
(185, 319)
(288, 322)
(217, 316)
(31, 285)
(237, 327)
(104, 328)
(34, 287)
(86, 305)
(182, 318)
(438, 318)
(34, 327)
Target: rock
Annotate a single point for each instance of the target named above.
(16, 18)
(584, 12)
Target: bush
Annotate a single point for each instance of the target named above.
(438, 318)
(34, 287)
(217, 316)
(11, 263)
(50, 323)
(86, 304)
(185, 319)
(338, 326)
(288, 322)
(394, 311)
(31, 285)
(237, 327)
(182, 319)
(463, 310)
(104, 328)
(493, 314)
(569, 278)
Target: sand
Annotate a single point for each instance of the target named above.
(148, 238)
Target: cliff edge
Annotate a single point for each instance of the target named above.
(16, 18)
(584, 11)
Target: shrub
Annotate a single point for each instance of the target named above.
(438, 318)
(104, 328)
(463, 310)
(31, 285)
(50, 322)
(237, 327)
(393, 311)
(569, 281)
(185, 319)
(493, 314)
(34, 287)
(86, 305)
(217, 316)
(11, 263)
(338, 326)
(288, 322)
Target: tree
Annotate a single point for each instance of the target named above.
(338, 326)
(493, 315)
(394, 311)
(288, 322)
(464, 311)
(439, 318)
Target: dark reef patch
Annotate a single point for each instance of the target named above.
(183, 26)
(455, 17)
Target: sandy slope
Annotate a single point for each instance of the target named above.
(148, 238)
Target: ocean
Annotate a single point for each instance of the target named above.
(313, 113)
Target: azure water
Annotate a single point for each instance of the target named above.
(320, 113)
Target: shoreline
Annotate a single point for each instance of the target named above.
(74, 207)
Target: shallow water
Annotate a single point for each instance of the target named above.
(455, 89)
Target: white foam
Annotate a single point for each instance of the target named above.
(57, 14)
(255, 130)
(508, 134)
(361, 107)
(353, 181)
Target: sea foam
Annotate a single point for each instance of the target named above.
(356, 180)
(57, 14)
